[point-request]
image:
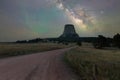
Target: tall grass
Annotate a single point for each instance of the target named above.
(93, 64)
(12, 49)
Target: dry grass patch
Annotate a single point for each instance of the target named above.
(11, 49)
(94, 64)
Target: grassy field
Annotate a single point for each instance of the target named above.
(12, 49)
(95, 64)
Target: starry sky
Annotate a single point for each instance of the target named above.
(28, 19)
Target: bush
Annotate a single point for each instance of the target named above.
(79, 43)
(116, 40)
(101, 42)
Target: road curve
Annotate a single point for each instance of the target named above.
(42, 66)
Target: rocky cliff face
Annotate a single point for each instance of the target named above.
(69, 32)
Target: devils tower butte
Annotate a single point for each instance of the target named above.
(69, 32)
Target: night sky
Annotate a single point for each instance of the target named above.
(27, 19)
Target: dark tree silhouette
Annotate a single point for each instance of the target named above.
(23, 41)
(101, 42)
(79, 43)
(35, 40)
(30, 41)
(116, 40)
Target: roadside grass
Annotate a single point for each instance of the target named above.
(12, 49)
(94, 64)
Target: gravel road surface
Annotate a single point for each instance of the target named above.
(41, 66)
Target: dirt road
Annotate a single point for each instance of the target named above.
(42, 66)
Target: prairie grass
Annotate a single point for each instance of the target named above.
(12, 49)
(95, 64)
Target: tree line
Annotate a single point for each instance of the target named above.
(98, 42)
(102, 41)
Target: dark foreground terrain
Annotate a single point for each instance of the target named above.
(13, 49)
(42, 66)
(95, 64)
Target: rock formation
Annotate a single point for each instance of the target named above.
(69, 33)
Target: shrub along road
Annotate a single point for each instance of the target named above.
(42, 66)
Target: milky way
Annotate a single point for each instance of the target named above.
(78, 15)
(27, 19)
(93, 16)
